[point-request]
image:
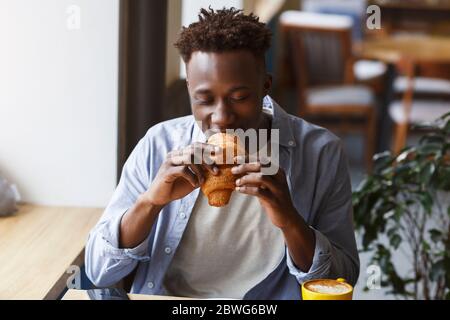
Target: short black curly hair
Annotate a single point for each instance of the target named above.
(224, 30)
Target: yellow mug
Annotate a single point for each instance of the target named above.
(311, 290)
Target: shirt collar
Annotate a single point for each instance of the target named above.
(280, 121)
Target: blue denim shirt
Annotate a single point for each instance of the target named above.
(319, 184)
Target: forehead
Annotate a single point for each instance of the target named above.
(224, 67)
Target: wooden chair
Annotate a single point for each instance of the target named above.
(409, 111)
(431, 80)
(318, 52)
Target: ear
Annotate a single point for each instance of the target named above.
(267, 84)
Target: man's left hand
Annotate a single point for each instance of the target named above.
(271, 190)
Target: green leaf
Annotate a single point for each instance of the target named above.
(445, 115)
(427, 172)
(398, 213)
(435, 234)
(430, 148)
(406, 153)
(437, 270)
(443, 181)
(391, 232)
(427, 201)
(369, 236)
(382, 160)
(395, 241)
(432, 139)
(426, 246)
(447, 127)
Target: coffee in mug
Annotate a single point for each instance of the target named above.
(327, 289)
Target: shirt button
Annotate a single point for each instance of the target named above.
(167, 250)
(291, 142)
(150, 285)
(182, 215)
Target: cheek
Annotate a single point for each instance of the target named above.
(249, 110)
(247, 117)
(201, 114)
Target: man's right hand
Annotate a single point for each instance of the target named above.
(181, 172)
(178, 176)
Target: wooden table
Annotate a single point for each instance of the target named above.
(427, 16)
(82, 295)
(37, 246)
(413, 48)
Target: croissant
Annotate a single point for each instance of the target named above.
(218, 188)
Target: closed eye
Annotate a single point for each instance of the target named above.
(204, 103)
(238, 99)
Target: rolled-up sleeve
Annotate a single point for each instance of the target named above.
(107, 263)
(335, 253)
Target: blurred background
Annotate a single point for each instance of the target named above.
(81, 81)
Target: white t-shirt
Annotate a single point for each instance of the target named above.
(226, 251)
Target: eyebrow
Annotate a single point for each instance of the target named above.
(206, 91)
(239, 88)
(202, 91)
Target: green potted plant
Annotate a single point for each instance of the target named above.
(403, 207)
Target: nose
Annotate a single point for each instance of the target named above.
(223, 117)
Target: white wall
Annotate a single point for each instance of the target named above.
(191, 8)
(58, 100)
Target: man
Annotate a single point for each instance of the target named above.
(277, 230)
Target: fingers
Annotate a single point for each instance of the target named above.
(195, 156)
(183, 172)
(254, 191)
(257, 179)
(182, 162)
(248, 158)
(246, 167)
(198, 171)
(201, 154)
(210, 166)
